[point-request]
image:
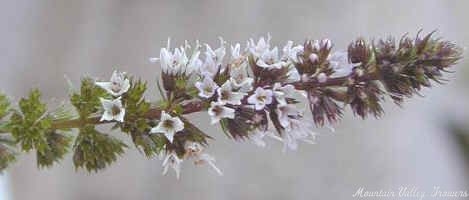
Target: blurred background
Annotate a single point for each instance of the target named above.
(425, 144)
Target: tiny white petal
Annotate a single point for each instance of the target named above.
(260, 98)
(113, 110)
(218, 111)
(168, 126)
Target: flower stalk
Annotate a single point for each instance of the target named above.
(253, 94)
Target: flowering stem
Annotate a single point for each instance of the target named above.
(337, 81)
(154, 113)
(197, 106)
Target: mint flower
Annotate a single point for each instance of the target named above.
(172, 63)
(118, 85)
(260, 98)
(218, 54)
(340, 64)
(240, 80)
(259, 48)
(235, 52)
(218, 111)
(207, 87)
(113, 110)
(195, 150)
(297, 130)
(205, 158)
(226, 95)
(290, 52)
(168, 126)
(281, 93)
(173, 161)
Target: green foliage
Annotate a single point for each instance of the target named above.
(134, 101)
(30, 124)
(7, 155)
(58, 144)
(95, 150)
(4, 106)
(87, 101)
(136, 124)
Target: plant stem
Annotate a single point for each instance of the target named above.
(154, 113)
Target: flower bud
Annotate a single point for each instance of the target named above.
(322, 77)
(313, 58)
(359, 52)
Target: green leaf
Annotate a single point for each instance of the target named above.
(29, 125)
(4, 106)
(58, 146)
(134, 100)
(87, 101)
(94, 150)
(7, 154)
(136, 123)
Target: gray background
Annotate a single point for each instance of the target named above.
(41, 40)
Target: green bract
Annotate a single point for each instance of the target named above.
(7, 155)
(95, 150)
(58, 146)
(30, 123)
(4, 106)
(136, 124)
(87, 101)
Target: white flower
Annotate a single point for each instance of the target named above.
(168, 126)
(173, 161)
(239, 78)
(209, 67)
(205, 158)
(243, 85)
(217, 54)
(287, 112)
(269, 59)
(258, 137)
(118, 85)
(113, 110)
(282, 92)
(235, 52)
(260, 98)
(291, 53)
(194, 63)
(178, 62)
(293, 75)
(258, 49)
(226, 94)
(218, 111)
(340, 65)
(173, 63)
(297, 130)
(195, 150)
(207, 87)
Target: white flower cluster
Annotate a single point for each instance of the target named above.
(238, 89)
(117, 86)
(195, 152)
